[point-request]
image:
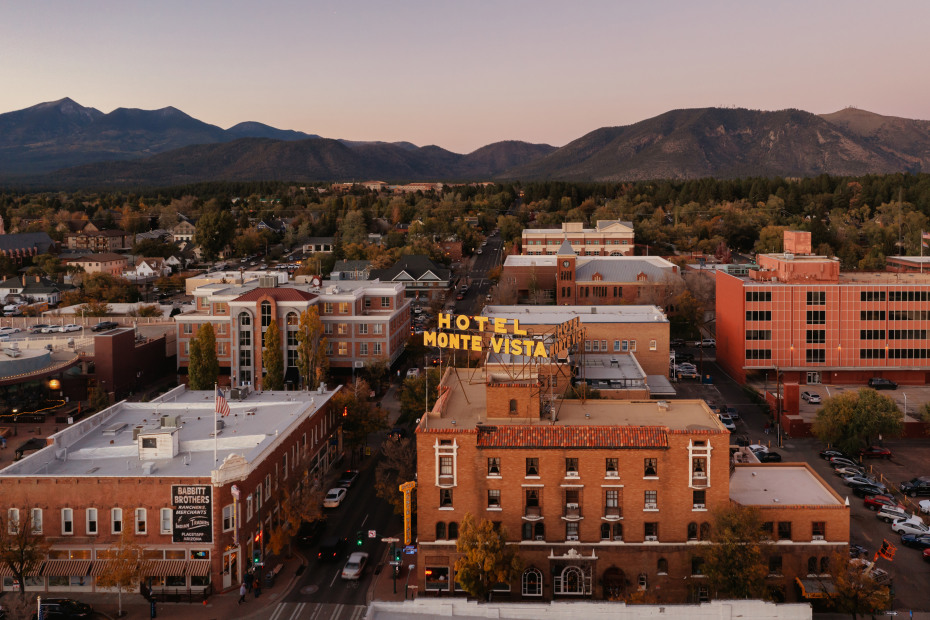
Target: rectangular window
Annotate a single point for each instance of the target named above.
(612, 466)
(12, 520)
(784, 530)
(328, 329)
(650, 467)
(494, 498)
(494, 466)
(758, 315)
(363, 348)
(378, 329)
(871, 354)
(907, 334)
(188, 329)
(36, 520)
(871, 334)
(768, 529)
(758, 354)
(652, 345)
(816, 298)
(651, 500)
(651, 530)
(872, 296)
(774, 565)
(815, 356)
(91, 515)
(699, 499)
(571, 466)
(328, 307)
(818, 530)
(633, 346)
(228, 522)
(571, 530)
(343, 349)
(377, 348)
(697, 566)
(245, 338)
(445, 465)
(624, 345)
(67, 521)
(343, 307)
(532, 466)
(758, 334)
(445, 498)
(758, 296)
(816, 336)
(164, 521)
(141, 521)
(363, 329)
(116, 520)
(816, 317)
(874, 315)
(385, 302)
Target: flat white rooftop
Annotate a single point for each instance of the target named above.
(103, 444)
(553, 315)
(784, 484)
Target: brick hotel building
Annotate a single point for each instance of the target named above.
(604, 497)
(797, 313)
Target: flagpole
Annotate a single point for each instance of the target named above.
(216, 389)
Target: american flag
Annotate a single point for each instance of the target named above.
(222, 407)
(925, 235)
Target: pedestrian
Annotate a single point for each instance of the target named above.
(257, 588)
(249, 579)
(242, 592)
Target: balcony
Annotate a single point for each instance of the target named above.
(612, 513)
(532, 513)
(572, 512)
(699, 479)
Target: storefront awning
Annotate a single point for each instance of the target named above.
(816, 588)
(166, 568)
(198, 568)
(100, 566)
(66, 568)
(32, 571)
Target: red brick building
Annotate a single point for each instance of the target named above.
(163, 471)
(607, 238)
(602, 497)
(797, 313)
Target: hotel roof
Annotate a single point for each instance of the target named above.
(780, 484)
(104, 444)
(553, 315)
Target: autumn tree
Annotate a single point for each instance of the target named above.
(203, 368)
(486, 558)
(123, 567)
(852, 420)
(312, 362)
(735, 563)
(376, 369)
(215, 231)
(95, 308)
(23, 547)
(273, 359)
(299, 499)
(98, 398)
(413, 401)
(359, 417)
(398, 465)
(857, 589)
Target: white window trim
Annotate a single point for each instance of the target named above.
(446, 450)
(67, 519)
(161, 521)
(113, 520)
(95, 521)
(143, 513)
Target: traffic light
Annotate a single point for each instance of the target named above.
(256, 556)
(397, 554)
(345, 412)
(358, 539)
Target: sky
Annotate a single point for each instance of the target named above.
(466, 73)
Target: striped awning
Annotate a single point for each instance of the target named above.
(164, 568)
(100, 566)
(66, 568)
(31, 571)
(198, 568)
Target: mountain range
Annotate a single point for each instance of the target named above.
(62, 144)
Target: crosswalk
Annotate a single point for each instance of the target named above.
(317, 611)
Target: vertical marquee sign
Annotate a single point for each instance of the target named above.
(193, 513)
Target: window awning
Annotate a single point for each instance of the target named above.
(30, 572)
(165, 568)
(198, 568)
(816, 588)
(66, 568)
(100, 566)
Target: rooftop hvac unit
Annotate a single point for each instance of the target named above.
(148, 467)
(136, 430)
(170, 421)
(220, 425)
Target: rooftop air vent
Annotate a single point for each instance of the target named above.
(115, 429)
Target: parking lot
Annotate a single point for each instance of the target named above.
(910, 458)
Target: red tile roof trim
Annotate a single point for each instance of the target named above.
(278, 294)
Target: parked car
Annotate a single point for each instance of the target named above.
(356, 564)
(48, 329)
(877, 502)
(880, 383)
(926, 555)
(708, 342)
(875, 452)
(916, 486)
(890, 514)
(38, 328)
(910, 526)
(331, 548)
(842, 461)
(829, 453)
(684, 357)
(309, 532)
(103, 326)
(64, 609)
(347, 478)
(728, 422)
(676, 343)
(9, 330)
(849, 470)
(413, 372)
(334, 498)
(855, 480)
(925, 506)
(71, 327)
(917, 541)
(867, 490)
(768, 457)
(811, 397)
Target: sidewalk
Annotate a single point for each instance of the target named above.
(383, 586)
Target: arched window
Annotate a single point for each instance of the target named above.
(532, 582)
(705, 531)
(618, 531)
(266, 313)
(824, 565)
(292, 319)
(662, 567)
(539, 531)
(453, 530)
(811, 566)
(440, 530)
(605, 531)
(245, 319)
(572, 581)
(692, 531)
(513, 406)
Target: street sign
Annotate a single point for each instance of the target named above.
(390, 540)
(410, 550)
(372, 534)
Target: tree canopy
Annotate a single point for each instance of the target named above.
(852, 420)
(22, 546)
(486, 558)
(273, 359)
(312, 362)
(203, 368)
(398, 464)
(215, 230)
(735, 562)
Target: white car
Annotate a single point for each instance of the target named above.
(728, 422)
(913, 525)
(890, 514)
(354, 567)
(9, 330)
(334, 498)
(811, 397)
(849, 470)
(925, 506)
(71, 327)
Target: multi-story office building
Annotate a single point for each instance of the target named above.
(607, 238)
(193, 493)
(362, 321)
(798, 314)
(600, 498)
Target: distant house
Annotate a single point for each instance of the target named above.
(20, 246)
(100, 240)
(159, 234)
(183, 231)
(176, 263)
(351, 270)
(375, 186)
(76, 226)
(149, 268)
(105, 262)
(421, 277)
(33, 289)
(319, 244)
